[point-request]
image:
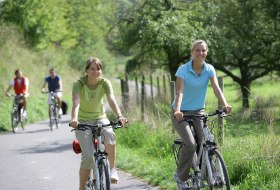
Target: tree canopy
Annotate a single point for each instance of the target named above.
(242, 35)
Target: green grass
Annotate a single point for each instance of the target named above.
(251, 146)
(252, 157)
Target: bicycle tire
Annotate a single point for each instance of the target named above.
(219, 171)
(14, 120)
(52, 117)
(23, 121)
(104, 176)
(57, 117)
(90, 184)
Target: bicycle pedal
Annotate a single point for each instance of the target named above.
(114, 181)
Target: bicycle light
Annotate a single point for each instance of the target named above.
(76, 147)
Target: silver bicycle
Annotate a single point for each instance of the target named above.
(54, 115)
(208, 168)
(17, 113)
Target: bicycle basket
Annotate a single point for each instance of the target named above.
(76, 147)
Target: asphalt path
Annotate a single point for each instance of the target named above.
(37, 158)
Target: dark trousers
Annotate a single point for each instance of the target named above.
(187, 152)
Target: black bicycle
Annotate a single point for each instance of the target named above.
(54, 115)
(17, 113)
(100, 175)
(208, 167)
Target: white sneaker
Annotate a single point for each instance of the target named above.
(114, 176)
(60, 111)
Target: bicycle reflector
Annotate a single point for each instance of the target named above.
(76, 147)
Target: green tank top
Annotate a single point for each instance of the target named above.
(91, 100)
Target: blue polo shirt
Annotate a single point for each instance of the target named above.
(195, 86)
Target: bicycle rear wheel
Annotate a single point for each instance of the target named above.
(219, 171)
(14, 120)
(104, 176)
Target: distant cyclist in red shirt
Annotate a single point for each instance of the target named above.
(20, 84)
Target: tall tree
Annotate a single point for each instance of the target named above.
(157, 33)
(243, 37)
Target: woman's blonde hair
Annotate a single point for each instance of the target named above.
(199, 42)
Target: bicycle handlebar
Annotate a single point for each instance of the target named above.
(51, 91)
(14, 95)
(83, 126)
(220, 113)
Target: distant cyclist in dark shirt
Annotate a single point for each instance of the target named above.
(54, 84)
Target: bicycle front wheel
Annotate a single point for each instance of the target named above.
(104, 176)
(219, 178)
(52, 117)
(14, 120)
(57, 117)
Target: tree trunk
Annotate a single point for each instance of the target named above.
(245, 89)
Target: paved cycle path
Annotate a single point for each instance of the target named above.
(40, 159)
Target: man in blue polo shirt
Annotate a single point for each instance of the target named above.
(54, 85)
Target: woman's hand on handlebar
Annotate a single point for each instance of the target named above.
(122, 121)
(74, 123)
(227, 109)
(178, 114)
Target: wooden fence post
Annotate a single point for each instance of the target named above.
(143, 98)
(137, 91)
(221, 120)
(164, 88)
(172, 90)
(159, 94)
(172, 95)
(123, 94)
(152, 94)
(127, 92)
